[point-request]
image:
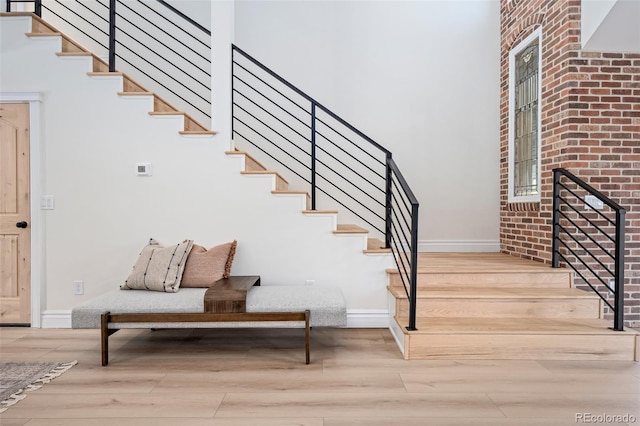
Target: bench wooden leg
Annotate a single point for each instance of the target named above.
(307, 334)
(104, 338)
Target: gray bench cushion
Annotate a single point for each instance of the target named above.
(327, 306)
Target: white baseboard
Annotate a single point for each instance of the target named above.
(460, 246)
(356, 318)
(56, 319)
(367, 318)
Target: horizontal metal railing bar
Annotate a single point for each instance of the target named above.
(310, 99)
(568, 204)
(269, 155)
(207, 32)
(272, 143)
(590, 189)
(403, 267)
(96, 14)
(586, 281)
(324, 178)
(266, 84)
(566, 231)
(346, 193)
(269, 127)
(350, 209)
(401, 231)
(183, 16)
(136, 13)
(405, 186)
(268, 112)
(156, 53)
(579, 258)
(399, 191)
(171, 91)
(584, 201)
(399, 209)
(69, 23)
(323, 136)
(586, 234)
(352, 171)
(274, 103)
(350, 141)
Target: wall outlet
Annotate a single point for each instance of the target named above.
(612, 285)
(309, 282)
(78, 288)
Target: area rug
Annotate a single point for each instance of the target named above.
(16, 378)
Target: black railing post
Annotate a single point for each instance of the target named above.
(313, 155)
(618, 321)
(112, 35)
(414, 268)
(37, 7)
(8, 6)
(387, 210)
(555, 259)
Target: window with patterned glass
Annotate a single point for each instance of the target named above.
(525, 120)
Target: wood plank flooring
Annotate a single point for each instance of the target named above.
(258, 377)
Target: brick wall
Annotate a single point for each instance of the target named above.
(590, 111)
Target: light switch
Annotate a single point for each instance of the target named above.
(595, 202)
(48, 202)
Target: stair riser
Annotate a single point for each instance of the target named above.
(503, 279)
(515, 346)
(502, 308)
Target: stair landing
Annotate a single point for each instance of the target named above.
(495, 306)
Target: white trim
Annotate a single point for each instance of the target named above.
(37, 277)
(459, 246)
(367, 318)
(537, 34)
(56, 319)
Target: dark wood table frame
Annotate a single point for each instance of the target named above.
(225, 301)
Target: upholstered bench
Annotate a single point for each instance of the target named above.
(266, 306)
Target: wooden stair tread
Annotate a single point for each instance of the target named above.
(443, 269)
(74, 54)
(290, 192)
(105, 73)
(248, 156)
(312, 212)
(497, 293)
(531, 326)
(262, 172)
(197, 132)
(135, 93)
(165, 113)
(349, 229)
(376, 245)
(51, 34)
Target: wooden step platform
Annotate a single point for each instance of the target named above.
(495, 306)
(516, 338)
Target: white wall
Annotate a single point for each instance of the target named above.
(104, 214)
(419, 77)
(610, 25)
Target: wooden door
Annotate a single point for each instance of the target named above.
(15, 223)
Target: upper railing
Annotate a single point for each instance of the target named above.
(588, 236)
(153, 42)
(334, 161)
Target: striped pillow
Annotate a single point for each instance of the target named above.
(159, 268)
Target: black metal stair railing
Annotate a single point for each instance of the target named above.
(337, 163)
(153, 42)
(588, 236)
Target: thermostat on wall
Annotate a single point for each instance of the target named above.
(143, 169)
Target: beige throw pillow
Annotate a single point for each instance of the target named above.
(159, 268)
(205, 267)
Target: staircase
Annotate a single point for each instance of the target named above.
(494, 306)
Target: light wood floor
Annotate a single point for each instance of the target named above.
(258, 377)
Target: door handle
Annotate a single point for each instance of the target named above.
(22, 224)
